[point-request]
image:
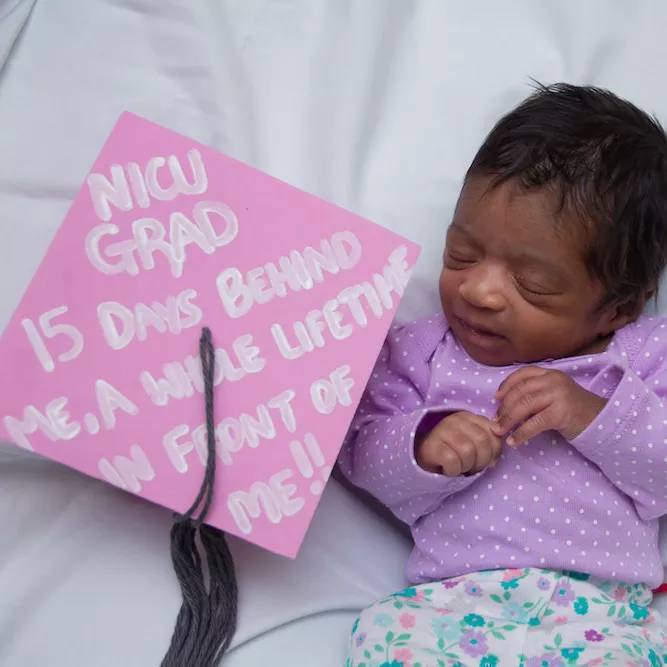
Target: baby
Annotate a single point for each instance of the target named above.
(521, 433)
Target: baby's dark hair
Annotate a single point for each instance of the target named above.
(607, 162)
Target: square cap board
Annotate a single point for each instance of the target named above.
(100, 365)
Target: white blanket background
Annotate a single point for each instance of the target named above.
(375, 105)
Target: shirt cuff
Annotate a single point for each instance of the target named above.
(623, 391)
(411, 472)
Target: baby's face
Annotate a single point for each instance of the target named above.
(514, 286)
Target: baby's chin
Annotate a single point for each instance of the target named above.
(489, 350)
(502, 352)
(487, 358)
(508, 355)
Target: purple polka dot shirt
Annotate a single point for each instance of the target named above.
(590, 505)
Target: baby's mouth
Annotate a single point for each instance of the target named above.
(478, 331)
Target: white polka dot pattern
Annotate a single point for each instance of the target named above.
(590, 505)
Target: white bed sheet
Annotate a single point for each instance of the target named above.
(86, 576)
(376, 105)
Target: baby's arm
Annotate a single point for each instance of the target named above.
(379, 451)
(628, 439)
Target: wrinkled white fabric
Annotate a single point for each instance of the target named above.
(377, 106)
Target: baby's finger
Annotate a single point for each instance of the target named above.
(483, 422)
(520, 403)
(466, 450)
(487, 445)
(496, 445)
(485, 457)
(494, 441)
(517, 378)
(450, 461)
(537, 424)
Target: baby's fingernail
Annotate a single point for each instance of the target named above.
(511, 441)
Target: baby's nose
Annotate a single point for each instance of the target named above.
(483, 289)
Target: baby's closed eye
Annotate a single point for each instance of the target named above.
(539, 288)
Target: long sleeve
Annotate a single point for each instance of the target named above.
(628, 439)
(378, 453)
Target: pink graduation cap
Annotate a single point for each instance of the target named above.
(100, 368)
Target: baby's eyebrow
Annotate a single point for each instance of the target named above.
(460, 229)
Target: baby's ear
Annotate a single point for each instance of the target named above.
(620, 314)
(648, 294)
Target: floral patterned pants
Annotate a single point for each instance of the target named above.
(527, 617)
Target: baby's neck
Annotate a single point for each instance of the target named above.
(598, 345)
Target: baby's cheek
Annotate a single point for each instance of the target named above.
(540, 340)
(448, 288)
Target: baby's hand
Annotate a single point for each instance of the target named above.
(460, 443)
(543, 400)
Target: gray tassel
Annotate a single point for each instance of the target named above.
(206, 621)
